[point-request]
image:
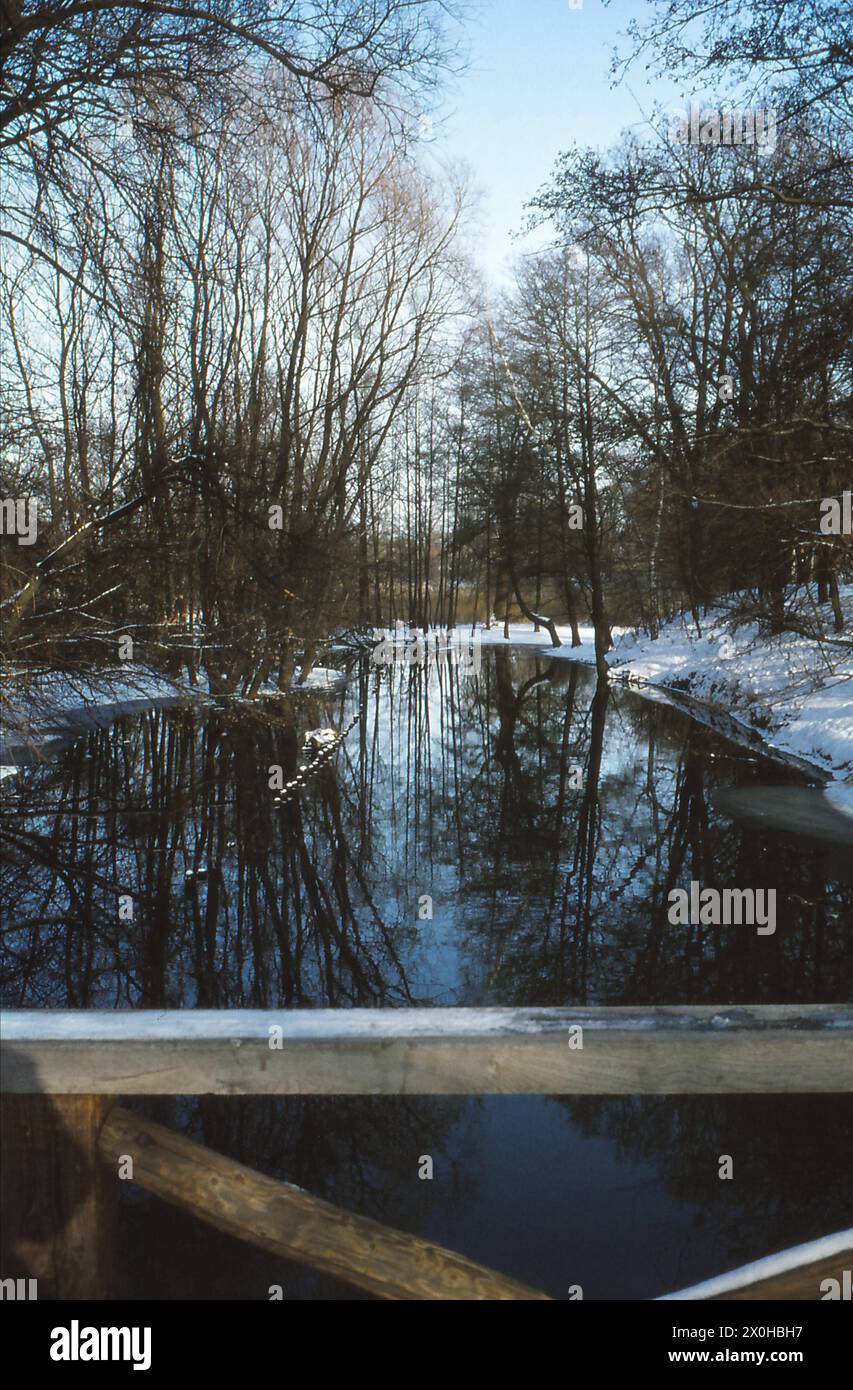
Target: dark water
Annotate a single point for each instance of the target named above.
(547, 821)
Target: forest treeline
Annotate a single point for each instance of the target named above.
(248, 367)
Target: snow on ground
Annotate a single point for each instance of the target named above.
(523, 635)
(51, 691)
(43, 712)
(319, 678)
(793, 691)
(797, 693)
(798, 1257)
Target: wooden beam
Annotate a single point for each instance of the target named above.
(820, 1269)
(289, 1222)
(58, 1204)
(800, 1284)
(659, 1051)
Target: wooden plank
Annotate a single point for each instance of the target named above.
(660, 1051)
(289, 1222)
(801, 1273)
(58, 1204)
(802, 1284)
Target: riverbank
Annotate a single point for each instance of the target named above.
(792, 691)
(44, 712)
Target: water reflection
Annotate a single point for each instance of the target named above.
(546, 817)
(542, 819)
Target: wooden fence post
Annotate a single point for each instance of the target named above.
(58, 1201)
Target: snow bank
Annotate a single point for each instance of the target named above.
(42, 713)
(520, 635)
(770, 1267)
(795, 693)
(840, 796)
(319, 678)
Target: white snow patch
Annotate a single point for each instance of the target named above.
(840, 796)
(813, 1250)
(43, 712)
(319, 678)
(795, 692)
(320, 738)
(239, 1026)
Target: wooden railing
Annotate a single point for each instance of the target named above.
(597, 1051)
(62, 1136)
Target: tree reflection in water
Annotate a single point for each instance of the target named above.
(463, 787)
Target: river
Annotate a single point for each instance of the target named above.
(503, 836)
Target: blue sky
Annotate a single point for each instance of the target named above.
(537, 82)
